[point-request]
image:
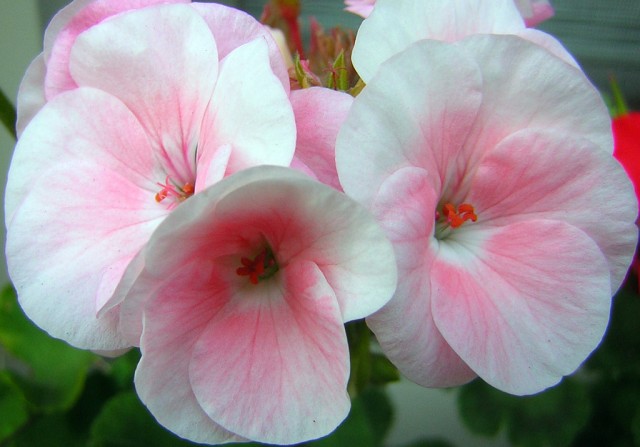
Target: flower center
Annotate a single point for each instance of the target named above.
(175, 192)
(453, 217)
(263, 266)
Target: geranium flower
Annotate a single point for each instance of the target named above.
(155, 118)
(243, 297)
(394, 25)
(50, 73)
(512, 223)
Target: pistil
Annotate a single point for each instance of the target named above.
(180, 194)
(263, 266)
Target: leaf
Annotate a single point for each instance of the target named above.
(378, 410)
(382, 370)
(482, 408)
(551, 418)
(13, 407)
(48, 430)
(8, 114)
(53, 373)
(356, 430)
(619, 354)
(367, 425)
(429, 443)
(125, 422)
(123, 368)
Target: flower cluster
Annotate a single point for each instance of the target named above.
(170, 191)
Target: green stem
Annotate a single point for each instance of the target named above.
(621, 105)
(359, 338)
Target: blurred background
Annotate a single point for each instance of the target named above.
(603, 35)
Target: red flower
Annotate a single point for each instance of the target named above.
(626, 135)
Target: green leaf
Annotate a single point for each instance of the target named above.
(125, 422)
(13, 407)
(382, 370)
(8, 114)
(619, 354)
(356, 430)
(53, 373)
(48, 430)
(430, 443)
(482, 408)
(367, 425)
(123, 368)
(552, 418)
(378, 410)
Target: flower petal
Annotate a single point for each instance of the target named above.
(538, 91)
(319, 114)
(550, 43)
(249, 111)
(273, 364)
(31, 93)
(422, 121)
(233, 28)
(529, 318)
(380, 36)
(581, 185)
(77, 185)
(70, 22)
(148, 71)
(305, 220)
(172, 326)
(404, 327)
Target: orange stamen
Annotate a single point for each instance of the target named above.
(456, 217)
(263, 266)
(168, 189)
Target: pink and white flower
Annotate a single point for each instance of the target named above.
(50, 73)
(512, 223)
(394, 25)
(239, 309)
(152, 118)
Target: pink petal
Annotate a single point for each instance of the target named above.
(404, 327)
(534, 11)
(278, 357)
(68, 24)
(76, 183)
(581, 185)
(422, 121)
(538, 91)
(233, 28)
(31, 93)
(166, 79)
(249, 111)
(173, 324)
(362, 8)
(529, 317)
(319, 114)
(380, 37)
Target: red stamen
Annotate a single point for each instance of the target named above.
(457, 217)
(168, 189)
(263, 264)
